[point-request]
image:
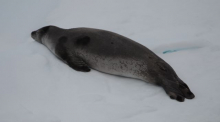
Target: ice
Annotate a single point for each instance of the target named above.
(35, 86)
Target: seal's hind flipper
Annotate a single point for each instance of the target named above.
(185, 90)
(82, 40)
(172, 89)
(177, 90)
(72, 60)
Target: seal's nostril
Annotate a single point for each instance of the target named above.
(32, 33)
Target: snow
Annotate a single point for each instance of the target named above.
(37, 87)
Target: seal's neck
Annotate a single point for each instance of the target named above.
(49, 43)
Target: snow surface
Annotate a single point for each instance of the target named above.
(36, 87)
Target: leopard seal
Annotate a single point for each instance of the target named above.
(108, 52)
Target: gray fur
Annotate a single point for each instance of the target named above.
(85, 48)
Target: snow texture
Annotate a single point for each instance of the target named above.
(37, 87)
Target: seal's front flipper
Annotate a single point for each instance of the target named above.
(78, 64)
(72, 60)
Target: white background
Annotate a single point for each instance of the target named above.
(36, 87)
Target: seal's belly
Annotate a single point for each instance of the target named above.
(126, 67)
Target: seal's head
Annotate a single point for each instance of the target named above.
(39, 34)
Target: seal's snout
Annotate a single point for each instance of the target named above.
(33, 34)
